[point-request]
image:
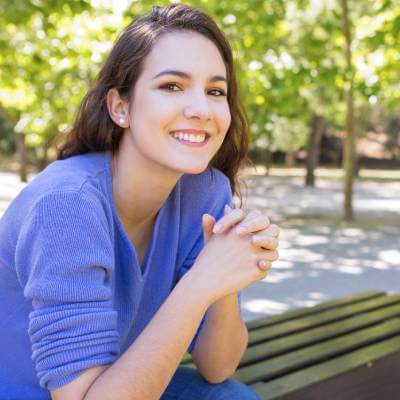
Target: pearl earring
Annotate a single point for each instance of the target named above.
(121, 120)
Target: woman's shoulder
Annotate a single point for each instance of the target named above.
(76, 179)
(71, 174)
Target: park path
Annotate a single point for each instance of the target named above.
(320, 257)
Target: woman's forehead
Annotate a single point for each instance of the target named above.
(186, 51)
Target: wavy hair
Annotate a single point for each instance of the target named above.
(93, 129)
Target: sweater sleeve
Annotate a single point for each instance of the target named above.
(223, 197)
(64, 262)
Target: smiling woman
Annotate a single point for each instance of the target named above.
(111, 265)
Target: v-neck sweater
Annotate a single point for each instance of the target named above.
(72, 294)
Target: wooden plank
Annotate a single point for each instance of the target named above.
(365, 301)
(283, 364)
(286, 344)
(308, 322)
(378, 381)
(290, 386)
(300, 312)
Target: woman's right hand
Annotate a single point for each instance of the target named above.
(228, 262)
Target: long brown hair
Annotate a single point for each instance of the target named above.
(93, 129)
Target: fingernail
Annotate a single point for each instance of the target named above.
(241, 229)
(217, 227)
(227, 208)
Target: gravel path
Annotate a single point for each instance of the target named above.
(321, 258)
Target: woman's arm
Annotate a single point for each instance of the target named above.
(222, 341)
(144, 371)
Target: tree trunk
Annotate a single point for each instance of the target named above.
(349, 148)
(44, 159)
(313, 149)
(268, 160)
(289, 158)
(21, 155)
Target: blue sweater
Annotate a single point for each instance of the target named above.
(72, 294)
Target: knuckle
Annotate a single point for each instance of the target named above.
(259, 222)
(273, 242)
(275, 229)
(240, 213)
(255, 213)
(271, 245)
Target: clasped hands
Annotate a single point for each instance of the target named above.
(264, 234)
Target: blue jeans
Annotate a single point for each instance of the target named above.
(188, 384)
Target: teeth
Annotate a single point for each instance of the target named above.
(190, 138)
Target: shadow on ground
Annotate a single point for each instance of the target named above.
(322, 258)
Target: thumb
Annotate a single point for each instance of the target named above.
(208, 224)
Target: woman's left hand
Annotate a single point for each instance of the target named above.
(266, 237)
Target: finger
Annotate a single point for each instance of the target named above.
(272, 230)
(264, 265)
(227, 209)
(264, 241)
(208, 223)
(235, 216)
(268, 255)
(259, 223)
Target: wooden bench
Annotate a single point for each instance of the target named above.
(348, 348)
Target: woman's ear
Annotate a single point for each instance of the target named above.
(117, 108)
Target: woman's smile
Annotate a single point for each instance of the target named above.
(191, 137)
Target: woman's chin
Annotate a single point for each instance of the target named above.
(192, 169)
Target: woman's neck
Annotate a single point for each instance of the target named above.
(140, 188)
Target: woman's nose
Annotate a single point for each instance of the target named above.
(198, 107)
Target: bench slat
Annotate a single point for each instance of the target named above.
(369, 301)
(313, 336)
(300, 312)
(282, 388)
(277, 366)
(308, 322)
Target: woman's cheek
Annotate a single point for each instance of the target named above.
(224, 119)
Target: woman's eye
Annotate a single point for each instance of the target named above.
(218, 93)
(170, 87)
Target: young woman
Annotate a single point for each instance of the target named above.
(112, 265)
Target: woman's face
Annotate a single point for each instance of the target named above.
(182, 89)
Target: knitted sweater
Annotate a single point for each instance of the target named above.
(72, 294)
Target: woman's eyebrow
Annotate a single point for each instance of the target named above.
(185, 75)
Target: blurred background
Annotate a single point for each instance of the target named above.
(320, 80)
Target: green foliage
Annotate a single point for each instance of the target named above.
(288, 54)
